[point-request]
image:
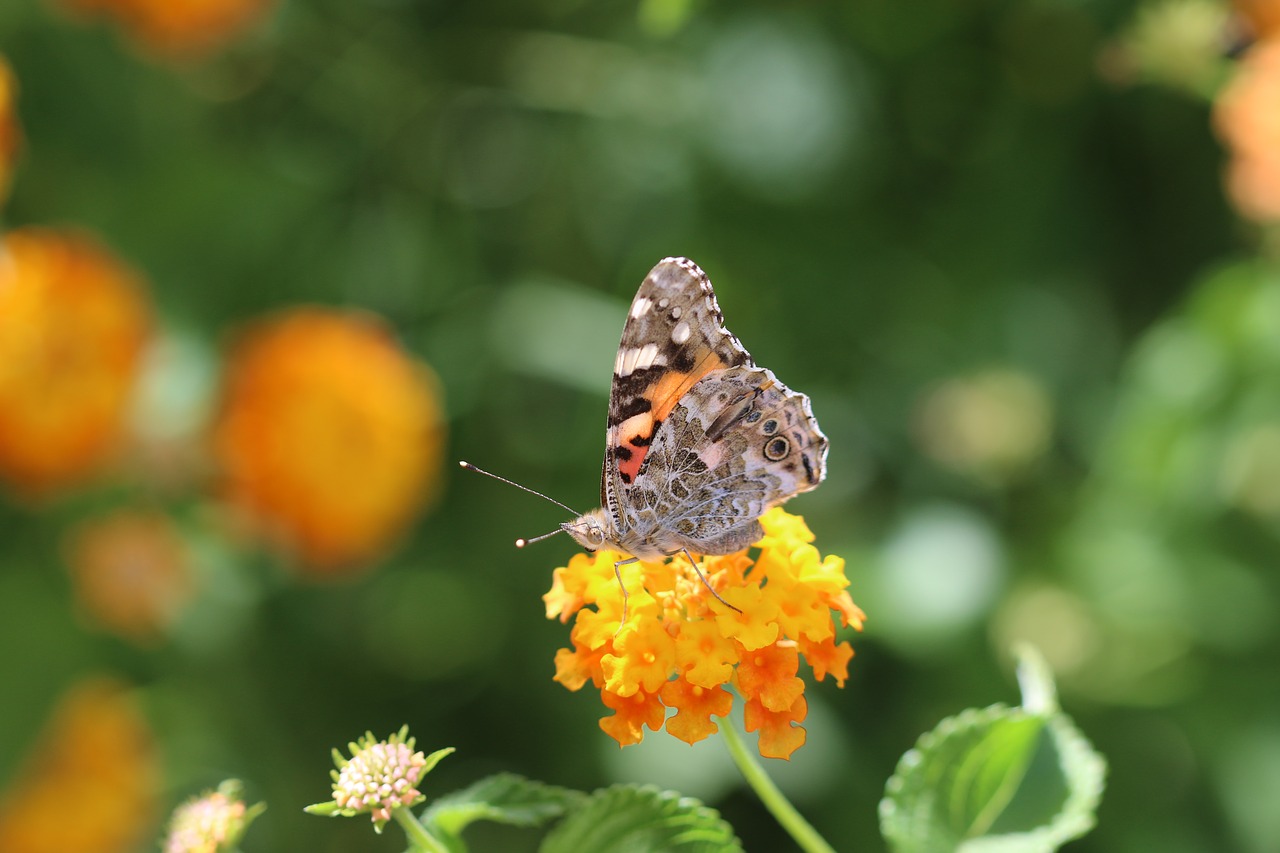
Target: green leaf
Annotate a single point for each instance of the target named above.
(635, 819)
(504, 798)
(434, 758)
(328, 809)
(1035, 680)
(997, 779)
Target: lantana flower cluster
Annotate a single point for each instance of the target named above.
(1247, 117)
(90, 782)
(132, 572)
(212, 822)
(329, 436)
(681, 648)
(178, 28)
(380, 776)
(10, 132)
(74, 322)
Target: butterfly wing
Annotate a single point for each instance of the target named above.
(739, 443)
(674, 336)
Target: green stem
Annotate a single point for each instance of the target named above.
(419, 838)
(777, 804)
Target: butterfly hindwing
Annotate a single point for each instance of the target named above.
(738, 443)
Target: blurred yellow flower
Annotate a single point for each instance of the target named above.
(990, 425)
(10, 132)
(90, 783)
(680, 647)
(329, 437)
(178, 27)
(73, 324)
(1248, 121)
(131, 573)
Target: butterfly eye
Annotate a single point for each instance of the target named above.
(776, 448)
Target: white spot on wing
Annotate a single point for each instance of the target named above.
(680, 333)
(637, 358)
(676, 312)
(627, 361)
(648, 357)
(641, 307)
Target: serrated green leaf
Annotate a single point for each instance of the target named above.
(997, 779)
(503, 798)
(990, 772)
(638, 819)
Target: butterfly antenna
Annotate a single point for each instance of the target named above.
(520, 543)
(471, 467)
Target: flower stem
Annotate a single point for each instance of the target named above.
(777, 804)
(419, 838)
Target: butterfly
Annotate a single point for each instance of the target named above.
(700, 441)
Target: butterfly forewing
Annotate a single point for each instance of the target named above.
(673, 337)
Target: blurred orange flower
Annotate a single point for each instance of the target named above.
(330, 436)
(178, 27)
(1247, 115)
(10, 133)
(1263, 16)
(73, 323)
(131, 573)
(90, 782)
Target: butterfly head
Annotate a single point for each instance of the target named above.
(591, 530)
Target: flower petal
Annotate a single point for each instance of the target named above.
(778, 736)
(769, 675)
(705, 656)
(631, 714)
(695, 707)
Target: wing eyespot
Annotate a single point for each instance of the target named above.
(777, 448)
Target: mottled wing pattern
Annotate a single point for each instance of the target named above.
(739, 443)
(674, 336)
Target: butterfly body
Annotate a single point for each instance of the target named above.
(700, 441)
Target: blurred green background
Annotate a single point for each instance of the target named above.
(1044, 349)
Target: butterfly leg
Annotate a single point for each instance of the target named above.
(618, 574)
(704, 580)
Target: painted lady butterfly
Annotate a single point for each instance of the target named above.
(700, 440)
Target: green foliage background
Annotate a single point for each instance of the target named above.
(887, 195)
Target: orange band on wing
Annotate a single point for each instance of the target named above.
(665, 394)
